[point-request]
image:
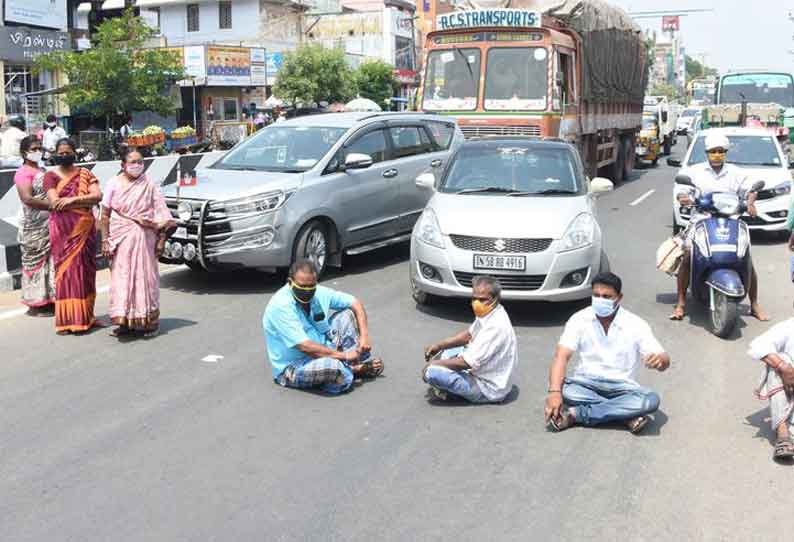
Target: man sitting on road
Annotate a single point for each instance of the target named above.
(476, 364)
(714, 176)
(610, 342)
(317, 337)
(775, 349)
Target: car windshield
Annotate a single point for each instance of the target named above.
(511, 169)
(689, 112)
(515, 79)
(452, 80)
(757, 88)
(747, 150)
(282, 148)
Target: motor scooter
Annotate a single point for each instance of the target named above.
(720, 257)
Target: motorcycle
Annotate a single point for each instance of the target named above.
(720, 257)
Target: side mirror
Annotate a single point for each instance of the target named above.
(675, 162)
(599, 185)
(684, 180)
(426, 181)
(664, 116)
(358, 161)
(758, 185)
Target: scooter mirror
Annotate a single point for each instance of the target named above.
(758, 185)
(686, 180)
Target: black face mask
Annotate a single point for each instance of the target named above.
(65, 160)
(302, 295)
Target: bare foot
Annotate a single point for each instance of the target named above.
(757, 312)
(678, 313)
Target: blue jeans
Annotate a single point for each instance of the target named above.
(598, 401)
(459, 383)
(328, 374)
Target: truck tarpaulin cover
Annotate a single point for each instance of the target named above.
(613, 62)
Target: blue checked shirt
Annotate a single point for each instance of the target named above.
(286, 325)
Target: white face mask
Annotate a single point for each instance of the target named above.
(51, 124)
(134, 170)
(34, 156)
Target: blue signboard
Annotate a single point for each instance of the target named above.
(274, 61)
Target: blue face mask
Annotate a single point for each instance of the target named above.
(604, 307)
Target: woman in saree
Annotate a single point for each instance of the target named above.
(73, 192)
(38, 272)
(135, 224)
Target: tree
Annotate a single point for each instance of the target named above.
(314, 74)
(375, 80)
(695, 69)
(664, 90)
(118, 75)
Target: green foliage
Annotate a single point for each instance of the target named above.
(117, 75)
(313, 74)
(695, 69)
(375, 80)
(664, 90)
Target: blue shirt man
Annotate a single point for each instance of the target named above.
(316, 336)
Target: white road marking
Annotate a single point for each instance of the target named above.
(212, 358)
(7, 315)
(642, 198)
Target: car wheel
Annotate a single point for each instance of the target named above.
(421, 298)
(312, 245)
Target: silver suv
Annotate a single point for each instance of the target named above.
(313, 187)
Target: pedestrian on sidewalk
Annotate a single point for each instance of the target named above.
(611, 343)
(317, 337)
(38, 271)
(11, 141)
(477, 364)
(135, 224)
(72, 192)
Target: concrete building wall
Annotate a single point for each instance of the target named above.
(245, 16)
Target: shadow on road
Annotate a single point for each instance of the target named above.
(455, 401)
(241, 281)
(654, 428)
(522, 313)
(760, 420)
(698, 315)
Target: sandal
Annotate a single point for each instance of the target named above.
(784, 449)
(563, 421)
(369, 370)
(119, 331)
(678, 313)
(152, 333)
(637, 424)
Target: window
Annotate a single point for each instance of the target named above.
(441, 132)
(230, 109)
(409, 141)
(565, 65)
(372, 144)
(403, 53)
(192, 17)
(521, 88)
(224, 15)
(452, 80)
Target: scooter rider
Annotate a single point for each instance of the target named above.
(714, 176)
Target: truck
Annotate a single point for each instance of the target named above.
(667, 120)
(700, 91)
(573, 70)
(755, 98)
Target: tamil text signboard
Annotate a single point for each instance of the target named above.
(20, 44)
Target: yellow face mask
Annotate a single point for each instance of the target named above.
(481, 308)
(302, 294)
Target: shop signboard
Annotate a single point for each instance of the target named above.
(195, 65)
(21, 44)
(228, 66)
(257, 55)
(258, 75)
(45, 13)
(274, 62)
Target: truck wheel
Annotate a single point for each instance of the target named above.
(312, 244)
(629, 158)
(617, 167)
(666, 147)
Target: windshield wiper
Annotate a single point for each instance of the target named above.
(237, 168)
(551, 191)
(482, 189)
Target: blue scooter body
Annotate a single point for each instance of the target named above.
(723, 269)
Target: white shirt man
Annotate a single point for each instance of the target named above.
(477, 364)
(729, 179)
(9, 150)
(52, 134)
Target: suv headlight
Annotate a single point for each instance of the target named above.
(259, 203)
(743, 240)
(184, 211)
(783, 189)
(580, 233)
(427, 229)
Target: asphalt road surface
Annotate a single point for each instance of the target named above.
(143, 440)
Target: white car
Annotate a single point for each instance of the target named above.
(519, 209)
(686, 120)
(758, 154)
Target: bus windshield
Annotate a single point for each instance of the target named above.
(452, 80)
(757, 88)
(516, 79)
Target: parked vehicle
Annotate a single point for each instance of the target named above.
(314, 187)
(666, 118)
(649, 148)
(759, 156)
(522, 72)
(521, 210)
(720, 256)
(686, 120)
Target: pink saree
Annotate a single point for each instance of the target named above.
(138, 214)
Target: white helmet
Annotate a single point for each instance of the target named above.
(717, 141)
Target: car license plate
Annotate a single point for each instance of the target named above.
(180, 233)
(509, 263)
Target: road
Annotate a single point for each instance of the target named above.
(145, 441)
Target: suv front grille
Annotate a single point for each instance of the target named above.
(480, 131)
(497, 244)
(508, 282)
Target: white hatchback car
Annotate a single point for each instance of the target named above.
(760, 157)
(521, 210)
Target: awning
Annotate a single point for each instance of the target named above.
(47, 92)
(112, 4)
(84, 7)
(156, 3)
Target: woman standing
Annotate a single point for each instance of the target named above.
(135, 224)
(38, 272)
(73, 192)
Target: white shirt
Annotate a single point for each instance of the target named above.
(609, 357)
(729, 179)
(492, 353)
(52, 136)
(778, 340)
(11, 140)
